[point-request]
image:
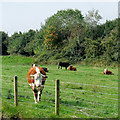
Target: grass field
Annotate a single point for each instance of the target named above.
(85, 93)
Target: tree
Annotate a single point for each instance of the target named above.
(110, 44)
(18, 42)
(93, 48)
(13, 46)
(50, 38)
(68, 36)
(92, 18)
(28, 42)
(110, 25)
(65, 22)
(5, 41)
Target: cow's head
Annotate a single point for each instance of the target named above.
(38, 77)
(71, 66)
(105, 71)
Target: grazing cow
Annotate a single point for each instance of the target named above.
(107, 72)
(72, 68)
(36, 78)
(63, 64)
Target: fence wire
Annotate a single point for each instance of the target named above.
(48, 88)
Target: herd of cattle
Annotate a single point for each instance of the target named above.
(36, 77)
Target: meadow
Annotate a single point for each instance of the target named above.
(85, 93)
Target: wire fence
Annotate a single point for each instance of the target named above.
(64, 82)
(24, 94)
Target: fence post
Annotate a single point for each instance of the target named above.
(15, 91)
(57, 94)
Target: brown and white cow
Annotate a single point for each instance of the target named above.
(72, 68)
(36, 78)
(107, 72)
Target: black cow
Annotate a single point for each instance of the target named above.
(63, 64)
(45, 69)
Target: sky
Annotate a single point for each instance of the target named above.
(23, 15)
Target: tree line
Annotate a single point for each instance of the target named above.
(67, 36)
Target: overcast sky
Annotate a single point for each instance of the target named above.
(23, 16)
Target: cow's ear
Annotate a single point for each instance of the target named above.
(33, 65)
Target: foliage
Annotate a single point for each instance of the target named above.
(92, 18)
(50, 39)
(68, 36)
(18, 42)
(110, 44)
(66, 22)
(93, 48)
(5, 41)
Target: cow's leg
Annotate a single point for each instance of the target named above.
(34, 94)
(39, 97)
(35, 97)
(40, 93)
(41, 89)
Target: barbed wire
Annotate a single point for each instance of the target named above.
(5, 82)
(85, 94)
(91, 102)
(7, 76)
(83, 108)
(53, 101)
(88, 84)
(32, 93)
(81, 84)
(63, 91)
(28, 86)
(21, 82)
(87, 91)
(60, 103)
(103, 97)
(104, 93)
(69, 98)
(72, 83)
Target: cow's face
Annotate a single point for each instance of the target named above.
(105, 70)
(37, 77)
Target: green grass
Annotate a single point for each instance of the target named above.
(94, 96)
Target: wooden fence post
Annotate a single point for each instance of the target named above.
(57, 94)
(15, 91)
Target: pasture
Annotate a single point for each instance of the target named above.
(85, 93)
